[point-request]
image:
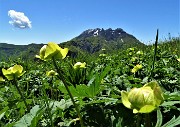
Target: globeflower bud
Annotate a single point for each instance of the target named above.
(130, 49)
(79, 65)
(139, 52)
(13, 72)
(136, 68)
(144, 99)
(102, 55)
(51, 73)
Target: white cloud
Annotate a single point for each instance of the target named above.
(19, 20)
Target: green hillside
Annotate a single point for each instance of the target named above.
(90, 42)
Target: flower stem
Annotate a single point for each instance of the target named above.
(139, 118)
(147, 120)
(16, 85)
(47, 104)
(61, 77)
(155, 52)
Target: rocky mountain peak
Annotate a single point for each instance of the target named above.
(108, 34)
(93, 40)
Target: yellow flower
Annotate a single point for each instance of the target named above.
(136, 68)
(42, 52)
(144, 99)
(51, 73)
(1, 79)
(102, 55)
(130, 49)
(79, 65)
(52, 50)
(139, 52)
(13, 72)
(178, 59)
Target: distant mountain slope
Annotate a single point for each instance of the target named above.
(89, 41)
(93, 40)
(12, 51)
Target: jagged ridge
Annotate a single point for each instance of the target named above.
(93, 40)
(108, 34)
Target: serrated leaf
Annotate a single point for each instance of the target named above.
(170, 103)
(173, 122)
(159, 118)
(172, 96)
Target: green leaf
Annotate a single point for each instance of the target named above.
(94, 87)
(1, 115)
(172, 96)
(25, 121)
(170, 103)
(95, 82)
(103, 100)
(36, 119)
(119, 123)
(82, 90)
(173, 122)
(91, 81)
(78, 91)
(159, 118)
(63, 104)
(104, 73)
(3, 111)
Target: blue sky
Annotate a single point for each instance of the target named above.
(62, 20)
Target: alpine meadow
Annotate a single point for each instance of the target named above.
(132, 86)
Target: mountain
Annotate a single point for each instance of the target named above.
(89, 41)
(13, 51)
(108, 34)
(93, 40)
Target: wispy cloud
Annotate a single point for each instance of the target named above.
(19, 20)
